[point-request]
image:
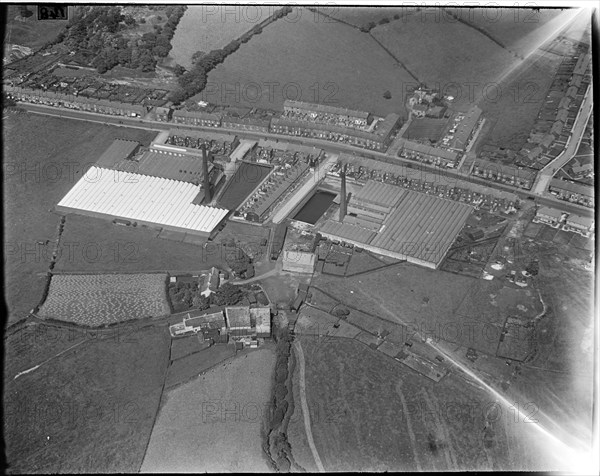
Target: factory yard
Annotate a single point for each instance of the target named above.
(215, 422)
(100, 299)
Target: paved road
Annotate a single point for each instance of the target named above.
(325, 145)
(546, 174)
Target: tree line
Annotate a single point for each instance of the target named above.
(194, 81)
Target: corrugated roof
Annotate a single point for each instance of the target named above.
(379, 193)
(347, 232)
(238, 316)
(140, 197)
(422, 226)
(119, 150)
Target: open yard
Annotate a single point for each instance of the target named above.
(446, 55)
(43, 158)
(328, 63)
(99, 299)
(215, 422)
(371, 413)
(90, 409)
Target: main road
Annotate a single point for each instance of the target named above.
(332, 148)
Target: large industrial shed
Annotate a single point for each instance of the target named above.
(152, 201)
(400, 223)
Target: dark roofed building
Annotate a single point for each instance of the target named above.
(118, 151)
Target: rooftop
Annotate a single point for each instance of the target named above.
(238, 316)
(119, 150)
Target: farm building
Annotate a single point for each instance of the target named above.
(400, 223)
(260, 319)
(238, 321)
(150, 201)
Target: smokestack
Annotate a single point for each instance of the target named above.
(206, 184)
(343, 207)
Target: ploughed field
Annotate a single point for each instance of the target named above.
(100, 299)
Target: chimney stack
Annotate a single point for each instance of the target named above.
(206, 183)
(343, 207)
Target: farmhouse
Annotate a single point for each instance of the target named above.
(211, 282)
(400, 223)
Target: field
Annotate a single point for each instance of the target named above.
(100, 299)
(204, 29)
(215, 422)
(99, 246)
(29, 31)
(327, 63)
(242, 183)
(440, 63)
(359, 17)
(43, 158)
(455, 308)
(519, 30)
(511, 115)
(371, 413)
(88, 410)
(184, 369)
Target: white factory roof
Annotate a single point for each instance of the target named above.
(139, 197)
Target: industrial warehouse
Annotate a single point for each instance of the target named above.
(399, 223)
(161, 188)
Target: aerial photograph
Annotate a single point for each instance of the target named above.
(280, 237)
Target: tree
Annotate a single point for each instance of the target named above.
(178, 70)
(227, 295)
(387, 95)
(200, 302)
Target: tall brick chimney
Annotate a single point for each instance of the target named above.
(206, 181)
(343, 193)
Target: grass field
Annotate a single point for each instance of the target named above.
(204, 29)
(520, 30)
(100, 299)
(43, 158)
(189, 367)
(442, 305)
(357, 16)
(369, 412)
(215, 422)
(511, 116)
(328, 63)
(88, 410)
(99, 246)
(446, 55)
